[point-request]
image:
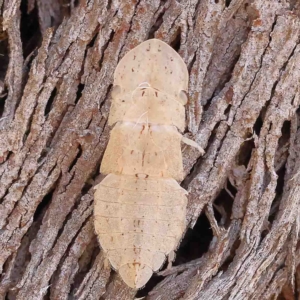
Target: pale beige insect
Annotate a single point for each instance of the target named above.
(140, 209)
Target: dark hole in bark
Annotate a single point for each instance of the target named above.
(42, 207)
(42, 156)
(264, 233)
(195, 242)
(79, 92)
(227, 110)
(4, 59)
(285, 131)
(52, 21)
(30, 30)
(245, 152)
(258, 125)
(86, 188)
(206, 104)
(227, 2)
(223, 205)
(298, 109)
(2, 104)
(92, 42)
(49, 104)
(175, 44)
(108, 5)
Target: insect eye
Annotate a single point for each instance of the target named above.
(183, 97)
(116, 90)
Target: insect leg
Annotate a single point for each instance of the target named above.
(171, 257)
(192, 143)
(106, 263)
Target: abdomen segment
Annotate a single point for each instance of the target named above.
(139, 221)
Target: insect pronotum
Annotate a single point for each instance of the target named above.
(140, 209)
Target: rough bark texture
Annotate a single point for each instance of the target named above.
(243, 58)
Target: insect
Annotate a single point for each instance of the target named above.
(140, 209)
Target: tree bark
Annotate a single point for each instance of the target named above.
(56, 69)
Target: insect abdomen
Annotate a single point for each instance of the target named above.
(138, 223)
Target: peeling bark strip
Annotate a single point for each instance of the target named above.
(243, 61)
